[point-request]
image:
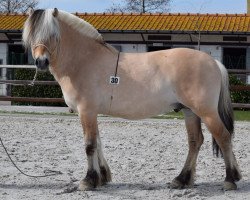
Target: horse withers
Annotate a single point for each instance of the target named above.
(97, 79)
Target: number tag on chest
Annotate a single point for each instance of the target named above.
(114, 80)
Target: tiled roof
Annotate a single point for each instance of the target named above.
(151, 22)
(12, 22)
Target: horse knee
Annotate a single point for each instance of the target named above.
(90, 149)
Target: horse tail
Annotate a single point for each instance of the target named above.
(225, 108)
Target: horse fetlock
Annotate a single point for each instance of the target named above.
(105, 174)
(232, 174)
(91, 181)
(236, 174)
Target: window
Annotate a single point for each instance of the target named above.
(158, 48)
(234, 39)
(159, 37)
(234, 58)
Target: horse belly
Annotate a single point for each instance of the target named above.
(140, 107)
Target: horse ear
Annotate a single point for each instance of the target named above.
(55, 12)
(30, 11)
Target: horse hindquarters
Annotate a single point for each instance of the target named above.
(220, 124)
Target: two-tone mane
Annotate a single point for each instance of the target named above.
(42, 26)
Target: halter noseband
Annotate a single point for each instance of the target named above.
(43, 45)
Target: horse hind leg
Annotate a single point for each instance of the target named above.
(195, 140)
(224, 139)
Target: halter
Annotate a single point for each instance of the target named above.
(43, 45)
(47, 48)
(116, 70)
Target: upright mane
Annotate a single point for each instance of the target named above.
(42, 26)
(80, 25)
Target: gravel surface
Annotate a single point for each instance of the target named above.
(144, 156)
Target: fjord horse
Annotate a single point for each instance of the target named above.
(97, 79)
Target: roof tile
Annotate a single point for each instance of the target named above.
(147, 21)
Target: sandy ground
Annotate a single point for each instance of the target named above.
(144, 156)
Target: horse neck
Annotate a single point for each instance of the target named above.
(76, 48)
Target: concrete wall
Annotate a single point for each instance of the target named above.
(214, 51)
(133, 48)
(3, 52)
(3, 57)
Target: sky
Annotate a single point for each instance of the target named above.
(177, 6)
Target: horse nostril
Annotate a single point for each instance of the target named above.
(46, 62)
(36, 62)
(42, 63)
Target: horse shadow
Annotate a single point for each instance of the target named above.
(205, 189)
(202, 189)
(46, 186)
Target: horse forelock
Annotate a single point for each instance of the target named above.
(40, 27)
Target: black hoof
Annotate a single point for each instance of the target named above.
(229, 186)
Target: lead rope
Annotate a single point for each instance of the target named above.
(116, 68)
(46, 172)
(32, 83)
(34, 79)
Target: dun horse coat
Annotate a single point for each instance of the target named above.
(147, 84)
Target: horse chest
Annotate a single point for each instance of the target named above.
(70, 101)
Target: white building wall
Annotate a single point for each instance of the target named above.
(133, 48)
(214, 51)
(3, 52)
(3, 57)
(121, 37)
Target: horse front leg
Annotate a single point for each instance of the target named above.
(104, 168)
(195, 140)
(93, 176)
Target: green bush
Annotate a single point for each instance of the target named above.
(54, 91)
(42, 91)
(238, 96)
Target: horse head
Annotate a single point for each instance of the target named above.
(41, 33)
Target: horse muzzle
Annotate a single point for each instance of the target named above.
(42, 63)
